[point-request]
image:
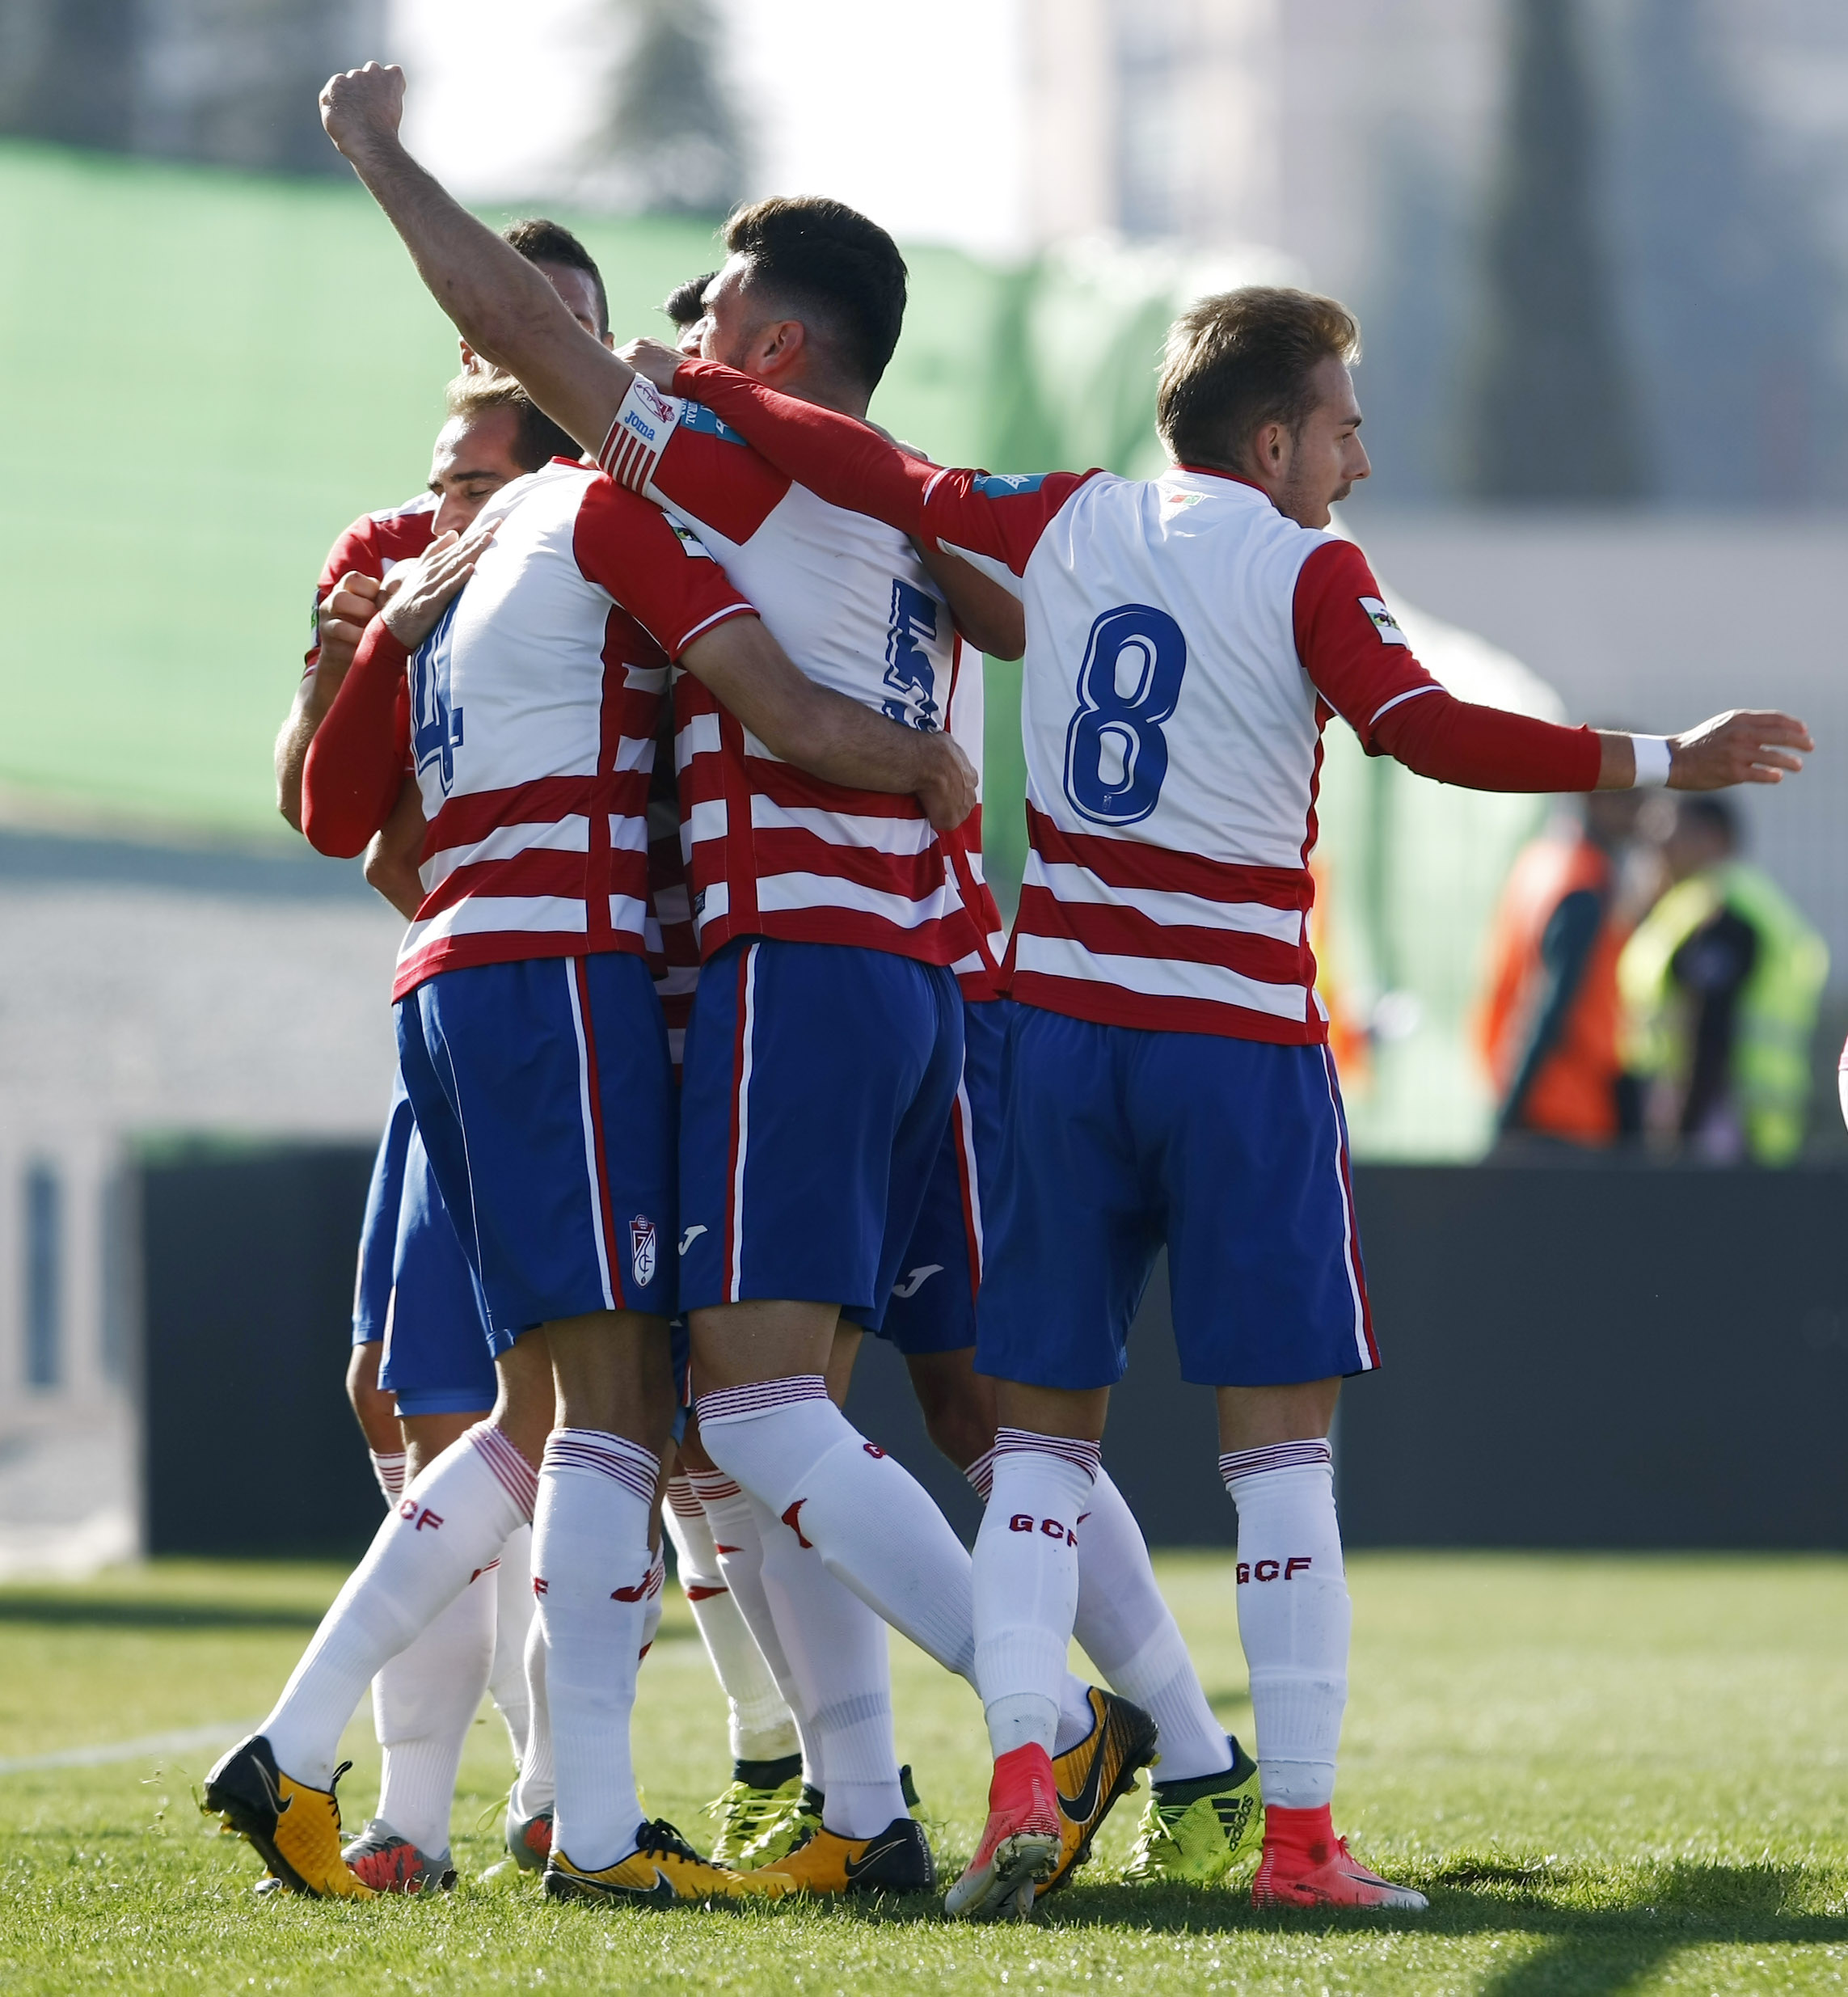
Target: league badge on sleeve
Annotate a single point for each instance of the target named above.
(642, 1250)
(1384, 621)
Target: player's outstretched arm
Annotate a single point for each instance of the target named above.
(498, 302)
(850, 464)
(1743, 746)
(1359, 660)
(824, 733)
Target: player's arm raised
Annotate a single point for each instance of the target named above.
(824, 733)
(1360, 663)
(500, 304)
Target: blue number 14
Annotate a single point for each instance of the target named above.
(1116, 756)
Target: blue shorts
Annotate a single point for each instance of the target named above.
(545, 1095)
(436, 1360)
(1116, 1139)
(817, 1088)
(378, 1232)
(932, 1307)
(416, 1292)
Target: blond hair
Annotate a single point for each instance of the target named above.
(1240, 359)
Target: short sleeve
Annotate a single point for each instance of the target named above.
(658, 572)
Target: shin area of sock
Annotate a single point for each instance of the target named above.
(739, 1523)
(1026, 1584)
(423, 1702)
(1294, 1615)
(1129, 1633)
(535, 1789)
(836, 1646)
(450, 1523)
(759, 1724)
(873, 1523)
(592, 1567)
(512, 1619)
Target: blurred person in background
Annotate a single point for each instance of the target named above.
(1549, 1025)
(1720, 985)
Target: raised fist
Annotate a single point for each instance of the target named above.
(362, 106)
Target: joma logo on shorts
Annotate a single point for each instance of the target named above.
(1269, 1570)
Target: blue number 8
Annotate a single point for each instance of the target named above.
(1116, 756)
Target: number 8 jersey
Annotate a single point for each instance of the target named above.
(1186, 645)
(1173, 748)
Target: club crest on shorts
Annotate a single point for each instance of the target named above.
(642, 1250)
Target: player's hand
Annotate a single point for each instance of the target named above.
(361, 107)
(1744, 746)
(346, 610)
(948, 791)
(440, 572)
(652, 361)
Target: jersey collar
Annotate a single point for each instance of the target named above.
(1231, 478)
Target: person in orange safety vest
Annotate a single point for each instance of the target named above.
(1549, 1025)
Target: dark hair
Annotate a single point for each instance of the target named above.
(1711, 814)
(542, 242)
(1241, 359)
(538, 441)
(686, 302)
(828, 262)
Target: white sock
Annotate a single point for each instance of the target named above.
(1026, 1583)
(389, 1472)
(513, 1617)
(1076, 1718)
(591, 1563)
(836, 1646)
(1294, 1615)
(653, 1603)
(535, 1791)
(761, 1726)
(453, 1521)
(733, 1517)
(423, 1702)
(872, 1522)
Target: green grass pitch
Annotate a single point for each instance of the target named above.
(1611, 1776)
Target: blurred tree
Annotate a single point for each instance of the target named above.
(1550, 414)
(673, 142)
(67, 70)
(1724, 249)
(233, 82)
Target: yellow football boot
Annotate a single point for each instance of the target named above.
(296, 1830)
(1092, 1775)
(663, 1870)
(896, 1860)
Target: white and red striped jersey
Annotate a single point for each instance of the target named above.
(533, 710)
(1186, 644)
(372, 546)
(673, 943)
(771, 851)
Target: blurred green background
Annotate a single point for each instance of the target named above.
(213, 373)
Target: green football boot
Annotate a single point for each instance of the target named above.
(757, 1796)
(1194, 1833)
(794, 1822)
